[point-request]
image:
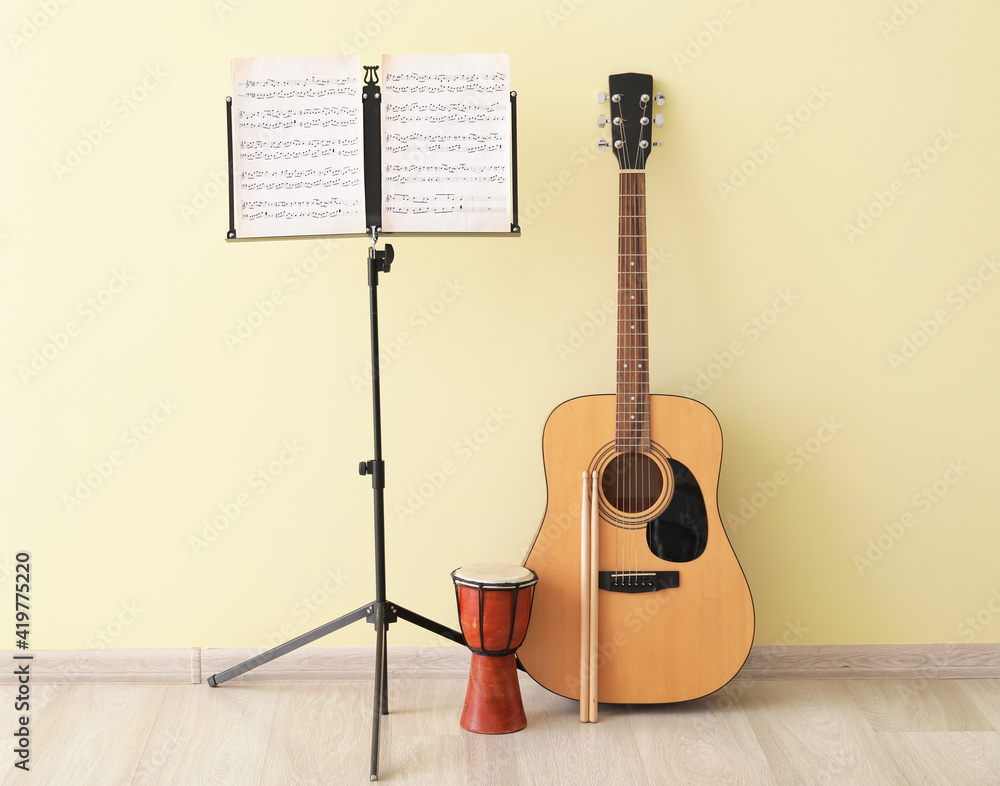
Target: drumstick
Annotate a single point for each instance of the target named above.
(585, 605)
(594, 520)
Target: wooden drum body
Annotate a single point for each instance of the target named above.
(494, 608)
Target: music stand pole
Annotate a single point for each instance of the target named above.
(380, 612)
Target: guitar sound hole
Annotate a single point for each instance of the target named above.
(632, 482)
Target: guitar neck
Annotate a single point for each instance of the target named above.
(632, 383)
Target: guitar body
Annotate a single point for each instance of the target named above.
(659, 645)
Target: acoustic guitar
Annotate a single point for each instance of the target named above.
(675, 616)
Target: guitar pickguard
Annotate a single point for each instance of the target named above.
(680, 533)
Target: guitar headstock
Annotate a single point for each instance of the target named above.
(631, 97)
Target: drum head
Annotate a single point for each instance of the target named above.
(494, 574)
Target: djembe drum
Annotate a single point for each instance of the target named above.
(494, 606)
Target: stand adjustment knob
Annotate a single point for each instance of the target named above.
(382, 259)
(376, 469)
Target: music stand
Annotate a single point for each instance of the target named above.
(381, 612)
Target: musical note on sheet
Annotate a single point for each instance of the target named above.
(406, 205)
(297, 130)
(446, 150)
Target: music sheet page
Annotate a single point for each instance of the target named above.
(298, 157)
(446, 143)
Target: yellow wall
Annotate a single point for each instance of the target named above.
(859, 478)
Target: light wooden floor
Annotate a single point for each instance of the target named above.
(766, 732)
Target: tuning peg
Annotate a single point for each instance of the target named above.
(602, 145)
(601, 96)
(601, 121)
(658, 120)
(660, 99)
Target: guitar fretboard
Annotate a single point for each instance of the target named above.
(632, 405)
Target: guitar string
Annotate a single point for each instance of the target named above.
(634, 377)
(619, 426)
(642, 473)
(627, 430)
(624, 247)
(643, 478)
(643, 376)
(638, 472)
(630, 393)
(620, 377)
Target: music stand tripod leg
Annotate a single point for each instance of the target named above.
(283, 649)
(380, 686)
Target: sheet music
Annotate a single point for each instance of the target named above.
(298, 157)
(446, 143)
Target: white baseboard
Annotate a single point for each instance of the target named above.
(331, 664)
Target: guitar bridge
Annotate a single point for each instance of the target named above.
(638, 581)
